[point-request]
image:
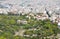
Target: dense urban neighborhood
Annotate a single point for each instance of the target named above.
(29, 19)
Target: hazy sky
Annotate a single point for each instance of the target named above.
(32, 1)
(52, 3)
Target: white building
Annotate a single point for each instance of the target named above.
(1, 11)
(59, 25)
(22, 21)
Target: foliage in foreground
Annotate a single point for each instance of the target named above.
(8, 26)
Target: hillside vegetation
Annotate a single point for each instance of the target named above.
(35, 29)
